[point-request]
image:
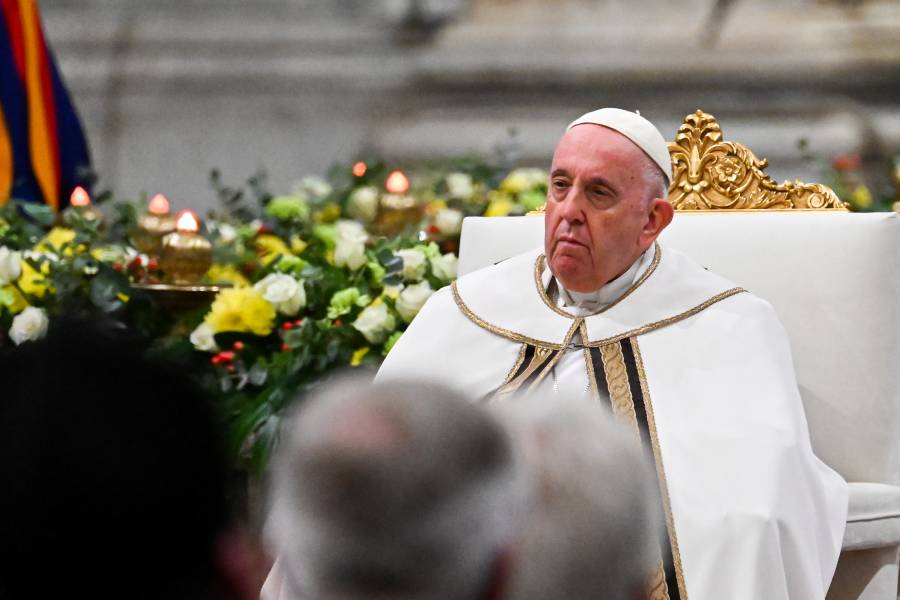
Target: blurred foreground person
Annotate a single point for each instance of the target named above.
(594, 525)
(112, 482)
(402, 491)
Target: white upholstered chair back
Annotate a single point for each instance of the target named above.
(833, 278)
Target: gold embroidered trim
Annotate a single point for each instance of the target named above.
(668, 321)
(516, 366)
(517, 337)
(498, 330)
(620, 397)
(658, 590)
(538, 280)
(589, 363)
(660, 469)
(569, 335)
(540, 357)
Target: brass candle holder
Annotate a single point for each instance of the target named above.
(185, 256)
(397, 210)
(80, 207)
(153, 225)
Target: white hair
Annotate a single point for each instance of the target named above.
(401, 489)
(595, 524)
(656, 182)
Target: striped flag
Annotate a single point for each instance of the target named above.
(43, 152)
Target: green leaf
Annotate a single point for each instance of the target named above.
(41, 213)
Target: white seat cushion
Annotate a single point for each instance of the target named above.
(873, 519)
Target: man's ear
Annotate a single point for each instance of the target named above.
(500, 574)
(658, 218)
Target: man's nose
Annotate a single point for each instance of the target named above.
(573, 206)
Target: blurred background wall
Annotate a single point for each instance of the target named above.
(169, 89)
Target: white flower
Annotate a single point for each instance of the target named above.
(459, 186)
(375, 322)
(284, 292)
(412, 299)
(10, 265)
(363, 204)
(227, 233)
(202, 338)
(444, 267)
(448, 221)
(524, 179)
(350, 245)
(30, 324)
(413, 264)
(313, 186)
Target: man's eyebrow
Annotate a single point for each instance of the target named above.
(559, 172)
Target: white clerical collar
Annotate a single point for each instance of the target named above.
(587, 303)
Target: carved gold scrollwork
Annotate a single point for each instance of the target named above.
(711, 174)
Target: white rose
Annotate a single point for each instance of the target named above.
(10, 265)
(413, 264)
(459, 186)
(227, 233)
(448, 221)
(444, 267)
(30, 324)
(412, 299)
(284, 292)
(312, 185)
(202, 338)
(350, 244)
(363, 204)
(375, 322)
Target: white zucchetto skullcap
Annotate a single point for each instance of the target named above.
(637, 129)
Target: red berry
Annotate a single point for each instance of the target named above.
(238, 345)
(137, 261)
(216, 359)
(287, 325)
(117, 266)
(285, 348)
(338, 323)
(226, 356)
(153, 264)
(433, 229)
(298, 322)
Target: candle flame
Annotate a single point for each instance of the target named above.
(159, 205)
(187, 222)
(397, 183)
(79, 197)
(359, 169)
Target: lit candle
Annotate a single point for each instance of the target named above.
(153, 225)
(359, 169)
(80, 205)
(398, 210)
(185, 255)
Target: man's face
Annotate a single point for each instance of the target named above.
(599, 216)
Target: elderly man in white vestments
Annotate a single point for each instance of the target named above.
(697, 367)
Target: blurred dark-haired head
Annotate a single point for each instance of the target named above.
(112, 478)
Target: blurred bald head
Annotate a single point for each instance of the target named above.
(399, 491)
(594, 526)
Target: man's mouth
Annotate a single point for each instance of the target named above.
(570, 241)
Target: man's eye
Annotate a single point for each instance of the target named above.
(600, 191)
(559, 184)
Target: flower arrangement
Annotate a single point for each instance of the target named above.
(324, 277)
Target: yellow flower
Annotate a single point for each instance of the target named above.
(330, 213)
(358, 355)
(33, 283)
(297, 244)
(269, 247)
(861, 197)
(241, 309)
(56, 239)
(227, 274)
(434, 206)
(499, 206)
(16, 302)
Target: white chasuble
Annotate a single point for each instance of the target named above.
(700, 370)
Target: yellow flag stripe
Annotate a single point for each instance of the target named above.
(6, 161)
(39, 135)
